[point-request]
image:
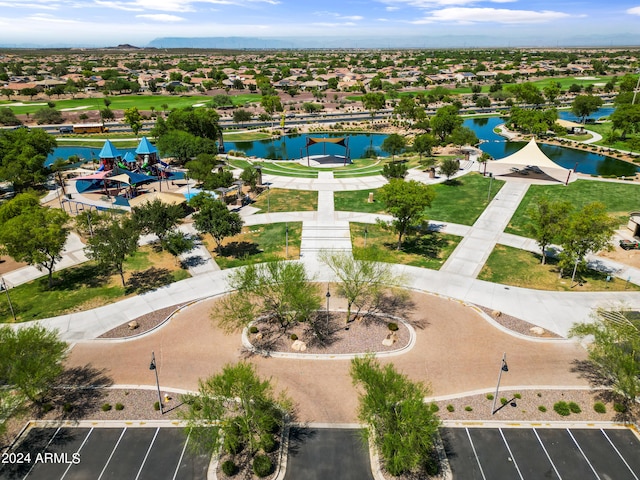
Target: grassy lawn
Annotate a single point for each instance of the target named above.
(520, 268)
(461, 202)
(96, 143)
(118, 102)
(246, 136)
(260, 243)
(87, 286)
(619, 198)
(428, 250)
(272, 168)
(281, 200)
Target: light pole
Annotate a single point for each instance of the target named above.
(3, 286)
(366, 230)
(268, 199)
(328, 295)
(490, 184)
(503, 368)
(286, 244)
(153, 367)
(635, 92)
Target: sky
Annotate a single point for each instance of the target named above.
(96, 23)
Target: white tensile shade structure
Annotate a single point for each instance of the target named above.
(528, 158)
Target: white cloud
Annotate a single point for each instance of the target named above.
(173, 5)
(161, 17)
(333, 25)
(430, 4)
(46, 18)
(490, 15)
(33, 4)
(339, 16)
(634, 11)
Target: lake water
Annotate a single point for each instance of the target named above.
(293, 146)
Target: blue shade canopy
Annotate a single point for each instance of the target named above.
(109, 150)
(145, 147)
(129, 157)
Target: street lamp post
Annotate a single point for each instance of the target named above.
(3, 286)
(490, 184)
(366, 230)
(153, 367)
(503, 368)
(268, 199)
(286, 244)
(328, 295)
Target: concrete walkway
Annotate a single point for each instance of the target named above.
(472, 252)
(325, 233)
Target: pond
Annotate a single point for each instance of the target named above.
(293, 146)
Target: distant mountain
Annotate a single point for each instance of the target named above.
(123, 46)
(440, 41)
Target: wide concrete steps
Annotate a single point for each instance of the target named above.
(317, 237)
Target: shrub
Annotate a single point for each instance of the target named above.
(574, 407)
(434, 407)
(293, 337)
(517, 395)
(253, 329)
(619, 407)
(489, 396)
(156, 406)
(47, 407)
(503, 401)
(599, 407)
(268, 443)
(468, 408)
(562, 408)
(106, 407)
(542, 408)
(262, 465)
(119, 406)
(392, 326)
(451, 408)
(229, 468)
(67, 407)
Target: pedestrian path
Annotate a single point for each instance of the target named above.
(325, 232)
(472, 252)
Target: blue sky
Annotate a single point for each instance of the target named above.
(110, 22)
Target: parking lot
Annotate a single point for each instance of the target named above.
(542, 453)
(104, 453)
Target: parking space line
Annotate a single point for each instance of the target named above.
(175, 474)
(146, 455)
(475, 454)
(78, 451)
(45, 447)
(112, 453)
(547, 454)
(511, 454)
(619, 454)
(583, 454)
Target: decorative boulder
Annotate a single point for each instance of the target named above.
(298, 346)
(390, 339)
(537, 330)
(133, 325)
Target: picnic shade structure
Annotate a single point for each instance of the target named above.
(531, 157)
(343, 142)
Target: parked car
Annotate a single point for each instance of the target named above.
(66, 129)
(630, 244)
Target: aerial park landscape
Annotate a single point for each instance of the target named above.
(241, 262)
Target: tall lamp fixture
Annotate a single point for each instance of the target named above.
(503, 368)
(152, 366)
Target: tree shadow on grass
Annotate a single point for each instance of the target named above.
(149, 279)
(79, 391)
(82, 276)
(428, 244)
(239, 249)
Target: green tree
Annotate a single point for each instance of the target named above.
(394, 170)
(113, 242)
(626, 118)
(157, 218)
(552, 90)
(280, 291)
(445, 121)
(361, 282)
(48, 116)
(36, 236)
(29, 92)
(184, 146)
(6, 92)
(107, 114)
(205, 169)
(213, 217)
(199, 122)
(271, 104)
(614, 350)
(234, 409)
(406, 202)
(240, 116)
(133, 118)
(585, 105)
(588, 230)
(374, 102)
(250, 177)
(394, 144)
(177, 243)
(449, 167)
(547, 221)
(399, 423)
(423, 144)
(7, 117)
(31, 360)
(463, 136)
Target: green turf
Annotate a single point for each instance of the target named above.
(260, 243)
(619, 199)
(460, 202)
(246, 136)
(281, 200)
(520, 268)
(429, 250)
